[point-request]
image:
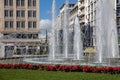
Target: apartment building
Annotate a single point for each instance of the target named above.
(62, 12)
(118, 16)
(87, 13)
(73, 14)
(19, 27)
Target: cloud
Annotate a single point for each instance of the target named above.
(45, 24)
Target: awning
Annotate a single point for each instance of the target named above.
(89, 50)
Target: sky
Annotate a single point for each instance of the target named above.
(45, 13)
(45, 7)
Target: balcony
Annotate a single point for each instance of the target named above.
(118, 4)
(81, 0)
(82, 20)
(118, 14)
(82, 13)
(81, 6)
(118, 24)
(8, 30)
(19, 40)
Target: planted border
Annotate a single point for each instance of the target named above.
(65, 68)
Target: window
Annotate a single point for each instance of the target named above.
(23, 24)
(6, 24)
(35, 36)
(11, 13)
(31, 3)
(20, 2)
(34, 24)
(34, 13)
(117, 1)
(11, 24)
(11, 2)
(29, 36)
(29, 13)
(6, 13)
(34, 2)
(20, 24)
(8, 2)
(20, 13)
(29, 24)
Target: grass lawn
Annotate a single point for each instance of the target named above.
(12, 74)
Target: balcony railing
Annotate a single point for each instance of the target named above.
(20, 40)
(82, 13)
(118, 4)
(81, 6)
(118, 14)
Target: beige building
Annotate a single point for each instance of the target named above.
(19, 26)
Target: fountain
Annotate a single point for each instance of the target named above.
(78, 44)
(107, 51)
(65, 29)
(106, 33)
(52, 38)
(54, 56)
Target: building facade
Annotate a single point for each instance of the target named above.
(19, 27)
(87, 12)
(87, 15)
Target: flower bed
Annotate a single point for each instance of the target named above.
(65, 68)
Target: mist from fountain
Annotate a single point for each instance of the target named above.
(52, 36)
(65, 29)
(106, 37)
(106, 31)
(78, 44)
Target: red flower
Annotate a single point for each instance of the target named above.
(41, 66)
(25, 66)
(74, 68)
(57, 66)
(50, 68)
(61, 68)
(103, 69)
(109, 69)
(86, 69)
(96, 70)
(30, 66)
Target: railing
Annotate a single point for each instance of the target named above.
(118, 14)
(20, 40)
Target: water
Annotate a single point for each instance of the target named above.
(67, 45)
(106, 31)
(78, 44)
(65, 29)
(106, 39)
(52, 36)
